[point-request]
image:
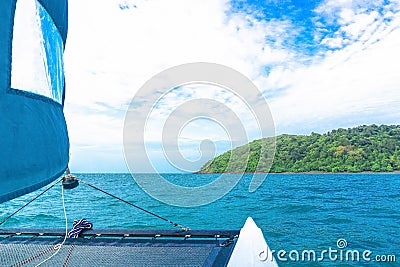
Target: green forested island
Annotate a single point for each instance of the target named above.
(360, 149)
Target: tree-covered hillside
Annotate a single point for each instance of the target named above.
(363, 148)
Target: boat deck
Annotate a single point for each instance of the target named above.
(29, 247)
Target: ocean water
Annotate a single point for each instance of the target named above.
(296, 212)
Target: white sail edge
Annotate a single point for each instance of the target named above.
(251, 248)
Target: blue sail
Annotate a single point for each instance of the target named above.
(34, 145)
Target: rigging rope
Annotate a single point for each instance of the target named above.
(96, 188)
(58, 246)
(133, 205)
(6, 219)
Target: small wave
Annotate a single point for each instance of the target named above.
(320, 190)
(394, 196)
(44, 216)
(312, 197)
(336, 220)
(290, 208)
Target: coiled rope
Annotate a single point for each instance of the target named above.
(78, 226)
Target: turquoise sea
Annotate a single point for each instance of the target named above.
(295, 211)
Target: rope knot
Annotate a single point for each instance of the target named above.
(78, 226)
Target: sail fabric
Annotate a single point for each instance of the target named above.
(34, 144)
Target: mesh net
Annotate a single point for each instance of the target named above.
(109, 252)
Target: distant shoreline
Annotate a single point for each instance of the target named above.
(312, 172)
(127, 173)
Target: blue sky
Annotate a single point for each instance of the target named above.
(320, 65)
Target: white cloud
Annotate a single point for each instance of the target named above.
(333, 42)
(346, 15)
(360, 24)
(357, 84)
